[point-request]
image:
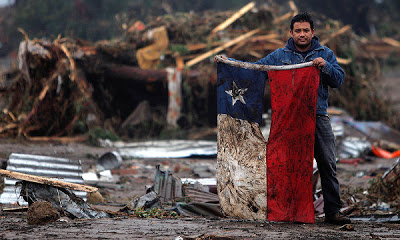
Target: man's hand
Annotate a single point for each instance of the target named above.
(222, 56)
(319, 63)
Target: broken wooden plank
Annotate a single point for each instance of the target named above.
(236, 47)
(264, 37)
(335, 34)
(5, 111)
(15, 209)
(267, 46)
(255, 54)
(293, 7)
(199, 46)
(46, 181)
(234, 17)
(343, 60)
(8, 127)
(80, 138)
(283, 18)
(218, 49)
(391, 42)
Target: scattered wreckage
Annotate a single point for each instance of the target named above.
(71, 85)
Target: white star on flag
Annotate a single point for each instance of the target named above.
(237, 94)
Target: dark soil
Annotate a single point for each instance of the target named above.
(14, 225)
(42, 212)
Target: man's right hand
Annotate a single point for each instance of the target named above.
(221, 56)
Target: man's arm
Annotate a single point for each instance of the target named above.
(331, 73)
(268, 60)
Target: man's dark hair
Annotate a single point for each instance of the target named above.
(302, 17)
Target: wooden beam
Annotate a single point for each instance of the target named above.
(199, 46)
(80, 138)
(282, 18)
(218, 49)
(335, 34)
(234, 17)
(267, 46)
(343, 60)
(47, 181)
(236, 47)
(391, 42)
(293, 7)
(264, 37)
(255, 54)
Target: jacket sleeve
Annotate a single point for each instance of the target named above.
(332, 74)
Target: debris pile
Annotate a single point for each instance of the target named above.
(387, 187)
(66, 87)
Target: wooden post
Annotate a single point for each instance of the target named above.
(47, 181)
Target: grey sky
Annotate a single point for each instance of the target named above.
(4, 3)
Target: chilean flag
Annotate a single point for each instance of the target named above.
(259, 179)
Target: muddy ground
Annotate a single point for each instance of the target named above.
(132, 183)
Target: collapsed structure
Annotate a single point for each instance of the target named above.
(164, 70)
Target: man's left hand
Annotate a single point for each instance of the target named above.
(319, 63)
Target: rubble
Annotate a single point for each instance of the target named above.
(65, 201)
(80, 85)
(42, 212)
(85, 84)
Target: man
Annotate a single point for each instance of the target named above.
(304, 46)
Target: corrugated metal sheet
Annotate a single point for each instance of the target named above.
(197, 195)
(352, 147)
(45, 166)
(164, 148)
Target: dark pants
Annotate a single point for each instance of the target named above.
(324, 153)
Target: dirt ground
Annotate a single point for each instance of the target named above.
(15, 226)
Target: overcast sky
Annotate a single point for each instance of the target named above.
(5, 2)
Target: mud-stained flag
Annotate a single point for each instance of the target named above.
(256, 179)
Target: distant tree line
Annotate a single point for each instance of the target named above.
(380, 17)
(98, 19)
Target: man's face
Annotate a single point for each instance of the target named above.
(302, 35)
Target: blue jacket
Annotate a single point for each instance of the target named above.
(332, 75)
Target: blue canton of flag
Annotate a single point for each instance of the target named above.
(240, 92)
